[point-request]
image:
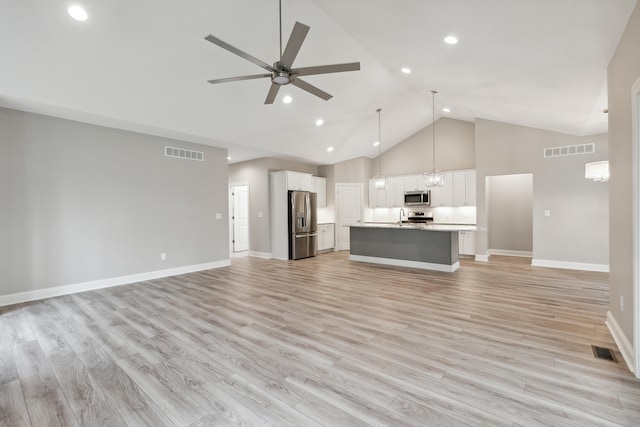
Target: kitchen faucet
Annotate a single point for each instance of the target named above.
(401, 213)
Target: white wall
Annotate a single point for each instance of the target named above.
(82, 203)
(622, 74)
(577, 230)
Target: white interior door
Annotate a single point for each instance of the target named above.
(349, 211)
(240, 218)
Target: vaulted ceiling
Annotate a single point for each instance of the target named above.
(143, 65)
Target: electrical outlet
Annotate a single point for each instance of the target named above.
(260, 215)
(547, 212)
(163, 256)
(621, 302)
(218, 216)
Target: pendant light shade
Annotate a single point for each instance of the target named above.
(597, 171)
(379, 181)
(434, 178)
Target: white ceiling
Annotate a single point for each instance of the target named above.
(143, 65)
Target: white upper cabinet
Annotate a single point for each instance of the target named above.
(395, 192)
(320, 187)
(377, 198)
(464, 188)
(414, 183)
(471, 188)
(299, 181)
(458, 189)
(447, 189)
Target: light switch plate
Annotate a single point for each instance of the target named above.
(218, 216)
(547, 212)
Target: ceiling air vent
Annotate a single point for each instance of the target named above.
(570, 150)
(181, 153)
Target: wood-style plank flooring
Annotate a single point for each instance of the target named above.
(321, 341)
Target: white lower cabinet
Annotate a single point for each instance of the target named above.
(467, 242)
(326, 237)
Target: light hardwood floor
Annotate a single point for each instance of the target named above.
(321, 341)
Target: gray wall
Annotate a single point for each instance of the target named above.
(577, 230)
(256, 174)
(83, 202)
(510, 212)
(623, 72)
(455, 149)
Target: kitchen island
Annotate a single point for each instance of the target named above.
(430, 247)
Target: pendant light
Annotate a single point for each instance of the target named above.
(434, 178)
(379, 181)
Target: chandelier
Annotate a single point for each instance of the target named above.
(379, 181)
(434, 178)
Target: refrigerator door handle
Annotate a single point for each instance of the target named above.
(299, 236)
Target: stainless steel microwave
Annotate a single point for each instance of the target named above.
(417, 198)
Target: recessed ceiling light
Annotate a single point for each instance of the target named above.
(78, 13)
(446, 110)
(330, 149)
(375, 144)
(451, 40)
(319, 122)
(406, 70)
(287, 99)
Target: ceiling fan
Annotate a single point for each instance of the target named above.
(282, 73)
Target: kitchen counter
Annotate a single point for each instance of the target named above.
(415, 226)
(430, 247)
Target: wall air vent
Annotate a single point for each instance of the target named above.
(181, 153)
(570, 150)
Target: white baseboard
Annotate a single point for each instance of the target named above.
(570, 265)
(621, 340)
(260, 254)
(507, 252)
(239, 254)
(483, 258)
(106, 283)
(404, 263)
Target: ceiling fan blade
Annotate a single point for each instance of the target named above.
(238, 52)
(325, 69)
(235, 79)
(273, 91)
(293, 45)
(311, 89)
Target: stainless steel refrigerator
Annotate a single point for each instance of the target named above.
(303, 224)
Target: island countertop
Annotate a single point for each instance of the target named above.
(424, 227)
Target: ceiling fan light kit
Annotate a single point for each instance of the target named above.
(282, 73)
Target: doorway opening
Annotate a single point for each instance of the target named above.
(239, 219)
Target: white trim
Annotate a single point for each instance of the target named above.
(260, 254)
(570, 265)
(406, 263)
(106, 283)
(239, 254)
(507, 252)
(482, 258)
(621, 341)
(635, 171)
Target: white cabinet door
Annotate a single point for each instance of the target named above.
(467, 242)
(320, 187)
(395, 192)
(447, 190)
(470, 188)
(299, 181)
(414, 183)
(459, 188)
(330, 236)
(377, 198)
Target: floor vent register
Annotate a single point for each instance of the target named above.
(603, 353)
